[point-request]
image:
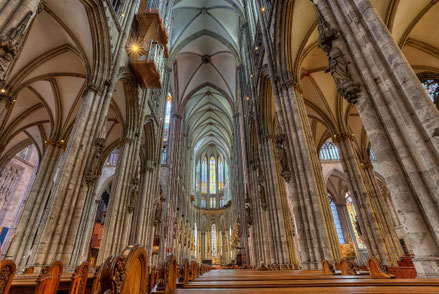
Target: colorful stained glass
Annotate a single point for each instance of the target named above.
(353, 219)
(220, 174)
(198, 177)
(432, 88)
(204, 176)
(167, 118)
(212, 176)
(226, 174)
(213, 236)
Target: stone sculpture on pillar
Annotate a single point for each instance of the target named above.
(134, 193)
(283, 159)
(95, 163)
(338, 66)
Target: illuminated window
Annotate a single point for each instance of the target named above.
(212, 202)
(226, 174)
(353, 219)
(213, 233)
(195, 237)
(336, 220)
(166, 128)
(197, 177)
(167, 118)
(329, 151)
(220, 174)
(203, 203)
(432, 88)
(222, 202)
(212, 176)
(204, 176)
(372, 155)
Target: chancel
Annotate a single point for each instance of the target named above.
(219, 146)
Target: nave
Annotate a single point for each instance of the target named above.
(128, 273)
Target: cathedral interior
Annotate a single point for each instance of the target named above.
(188, 142)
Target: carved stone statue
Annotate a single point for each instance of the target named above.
(262, 195)
(248, 215)
(283, 158)
(134, 194)
(95, 163)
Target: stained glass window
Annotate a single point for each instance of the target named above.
(204, 176)
(353, 219)
(336, 220)
(212, 176)
(222, 202)
(212, 202)
(166, 128)
(329, 151)
(220, 174)
(226, 174)
(203, 203)
(213, 233)
(432, 88)
(197, 177)
(372, 155)
(167, 118)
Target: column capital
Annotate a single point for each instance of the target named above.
(342, 137)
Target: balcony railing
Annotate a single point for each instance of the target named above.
(153, 21)
(148, 63)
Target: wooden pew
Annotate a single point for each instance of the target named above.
(183, 277)
(376, 270)
(79, 279)
(126, 273)
(48, 280)
(168, 276)
(328, 268)
(7, 273)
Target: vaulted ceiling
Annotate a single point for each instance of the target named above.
(205, 55)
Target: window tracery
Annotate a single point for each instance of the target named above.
(212, 176)
(353, 218)
(336, 219)
(430, 82)
(213, 240)
(166, 128)
(329, 151)
(204, 176)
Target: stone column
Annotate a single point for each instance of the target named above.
(370, 70)
(14, 24)
(20, 248)
(170, 207)
(377, 234)
(316, 229)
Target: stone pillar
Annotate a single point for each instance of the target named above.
(316, 229)
(377, 234)
(370, 70)
(170, 208)
(20, 248)
(14, 24)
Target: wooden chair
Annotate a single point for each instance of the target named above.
(376, 270)
(79, 279)
(48, 280)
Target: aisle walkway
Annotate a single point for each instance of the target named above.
(291, 281)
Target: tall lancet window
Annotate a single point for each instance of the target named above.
(212, 176)
(353, 218)
(195, 238)
(329, 151)
(220, 174)
(166, 128)
(204, 176)
(226, 173)
(213, 233)
(198, 177)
